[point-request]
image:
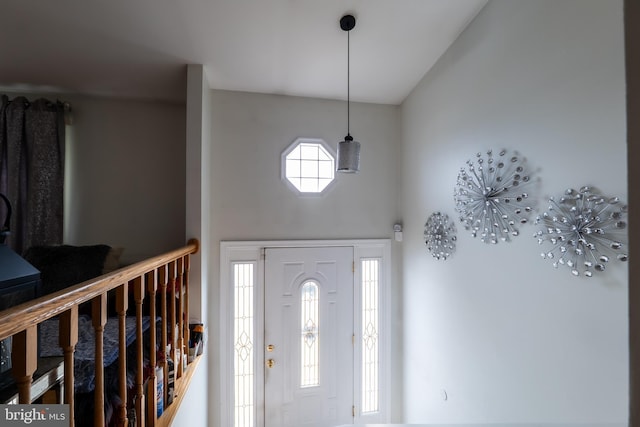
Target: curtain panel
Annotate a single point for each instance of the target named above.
(32, 140)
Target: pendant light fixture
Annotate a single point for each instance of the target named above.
(348, 150)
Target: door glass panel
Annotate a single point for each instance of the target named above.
(370, 330)
(243, 339)
(309, 340)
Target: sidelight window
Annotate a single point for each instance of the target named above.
(370, 335)
(243, 339)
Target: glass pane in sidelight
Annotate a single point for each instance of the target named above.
(243, 339)
(370, 335)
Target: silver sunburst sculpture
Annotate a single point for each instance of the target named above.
(585, 230)
(440, 236)
(491, 195)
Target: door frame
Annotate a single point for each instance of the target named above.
(253, 252)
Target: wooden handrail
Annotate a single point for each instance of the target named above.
(19, 318)
(21, 322)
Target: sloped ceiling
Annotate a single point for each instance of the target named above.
(140, 48)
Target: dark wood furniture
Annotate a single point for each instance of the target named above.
(19, 282)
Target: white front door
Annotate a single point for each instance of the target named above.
(308, 336)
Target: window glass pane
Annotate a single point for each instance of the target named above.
(297, 182)
(309, 185)
(309, 151)
(293, 169)
(243, 339)
(325, 170)
(322, 183)
(323, 155)
(309, 339)
(309, 169)
(370, 338)
(310, 161)
(295, 153)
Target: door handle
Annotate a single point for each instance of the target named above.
(270, 363)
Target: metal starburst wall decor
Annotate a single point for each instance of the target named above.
(491, 195)
(585, 230)
(440, 236)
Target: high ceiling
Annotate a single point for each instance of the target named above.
(139, 48)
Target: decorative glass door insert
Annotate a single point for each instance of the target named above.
(310, 339)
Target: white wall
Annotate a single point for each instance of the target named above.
(125, 181)
(126, 165)
(509, 338)
(250, 202)
(252, 130)
(194, 410)
(197, 185)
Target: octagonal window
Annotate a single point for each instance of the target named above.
(308, 165)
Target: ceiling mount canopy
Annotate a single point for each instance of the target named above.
(348, 150)
(347, 22)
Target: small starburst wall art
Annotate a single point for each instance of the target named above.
(440, 236)
(492, 195)
(583, 230)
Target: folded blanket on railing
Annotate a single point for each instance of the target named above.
(84, 356)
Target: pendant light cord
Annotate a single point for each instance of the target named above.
(348, 85)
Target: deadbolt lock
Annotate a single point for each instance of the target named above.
(270, 347)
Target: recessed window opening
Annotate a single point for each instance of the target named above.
(309, 165)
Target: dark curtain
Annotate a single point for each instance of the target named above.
(32, 170)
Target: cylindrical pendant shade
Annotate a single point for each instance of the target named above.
(348, 156)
